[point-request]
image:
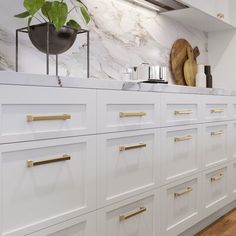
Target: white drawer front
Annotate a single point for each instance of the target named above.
(79, 226)
(216, 189)
(42, 113)
(42, 193)
(215, 144)
(232, 140)
(180, 109)
(136, 216)
(233, 179)
(119, 111)
(180, 202)
(216, 108)
(128, 164)
(180, 154)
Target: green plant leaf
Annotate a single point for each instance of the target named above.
(73, 24)
(32, 6)
(47, 10)
(85, 14)
(29, 21)
(23, 14)
(59, 11)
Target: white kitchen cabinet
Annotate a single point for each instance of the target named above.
(46, 182)
(232, 174)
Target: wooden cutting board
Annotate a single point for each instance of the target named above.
(178, 57)
(190, 68)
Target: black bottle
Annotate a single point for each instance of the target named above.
(207, 70)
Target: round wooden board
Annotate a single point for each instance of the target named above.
(178, 56)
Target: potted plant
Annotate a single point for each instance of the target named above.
(56, 32)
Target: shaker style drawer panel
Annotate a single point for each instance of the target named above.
(216, 137)
(181, 152)
(233, 179)
(216, 108)
(180, 109)
(215, 189)
(128, 164)
(45, 182)
(42, 113)
(79, 226)
(135, 216)
(180, 202)
(123, 110)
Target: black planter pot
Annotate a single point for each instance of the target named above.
(59, 42)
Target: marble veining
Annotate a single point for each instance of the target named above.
(122, 35)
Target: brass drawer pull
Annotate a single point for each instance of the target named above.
(184, 112)
(135, 146)
(31, 163)
(214, 133)
(31, 118)
(215, 178)
(187, 190)
(217, 110)
(132, 114)
(139, 211)
(220, 15)
(185, 138)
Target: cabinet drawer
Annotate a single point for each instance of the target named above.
(50, 181)
(216, 189)
(232, 140)
(215, 144)
(42, 113)
(180, 154)
(180, 202)
(232, 179)
(122, 110)
(136, 216)
(79, 226)
(180, 109)
(216, 108)
(128, 164)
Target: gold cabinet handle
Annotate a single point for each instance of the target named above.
(31, 163)
(183, 112)
(215, 178)
(187, 190)
(129, 215)
(221, 15)
(217, 110)
(135, 146)
(31, 118)
(185, 138)
(132, 114)
(214, 133)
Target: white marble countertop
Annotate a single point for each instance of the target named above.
(13, 78)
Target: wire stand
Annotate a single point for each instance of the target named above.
(26, 30)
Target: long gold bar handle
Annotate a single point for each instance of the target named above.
(185, 138)
(184, 112)
(31, 163)
(187, 190)
(214, 133)
(215, 178)
(31, 118)
(217, 110)
(132, 114)
(139, 211)
(135, 146)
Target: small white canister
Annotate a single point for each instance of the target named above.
(201, 77)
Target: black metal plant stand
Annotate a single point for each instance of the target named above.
(26, 30)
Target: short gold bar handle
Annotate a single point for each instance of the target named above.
(31, 163)
(132, 114)
(187, 190)
(215, 178)
(135, 146)
(217, 110)
(183, 112)
(31, 118)
(185, 138)
(214, 133)
(135, 213)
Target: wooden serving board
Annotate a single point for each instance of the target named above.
(178, 57)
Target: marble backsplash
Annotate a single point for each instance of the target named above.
(122, 35)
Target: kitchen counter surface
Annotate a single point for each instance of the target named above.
(13, 78)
